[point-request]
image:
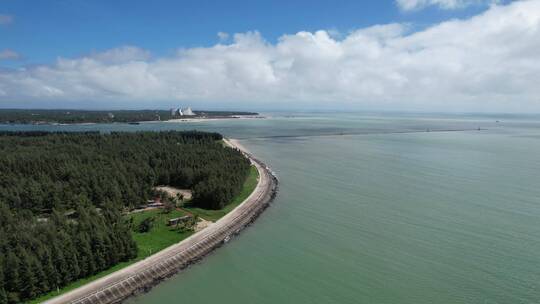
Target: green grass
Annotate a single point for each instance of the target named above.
(160, 236)
(213, 215)
(81, 282)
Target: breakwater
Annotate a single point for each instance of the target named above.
(143, 275)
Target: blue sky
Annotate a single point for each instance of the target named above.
(399, 55)
(41, 31)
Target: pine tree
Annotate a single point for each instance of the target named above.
(3, 294)
(45, 175)
(12, 272)
(51, 274)
(28, 286)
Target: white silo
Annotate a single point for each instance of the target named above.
(188, 112)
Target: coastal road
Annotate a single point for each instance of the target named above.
(142, 275)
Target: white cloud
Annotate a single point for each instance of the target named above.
(5, 19)
(488, 62)
(8, 54)
(223, 36)
(409, 5)
(121, 55)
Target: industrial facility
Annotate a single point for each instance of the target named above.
(182, 112)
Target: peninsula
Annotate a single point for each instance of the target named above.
(92, 231)
(141, 276)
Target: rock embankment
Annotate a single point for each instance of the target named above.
(145, 274)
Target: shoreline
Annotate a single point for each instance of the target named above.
(235, 144)
(201, 119)
(173, 120)
(142, 276)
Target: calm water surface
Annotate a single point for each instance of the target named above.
(374, 209)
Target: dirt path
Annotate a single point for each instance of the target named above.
(202, 224)
(186, 193)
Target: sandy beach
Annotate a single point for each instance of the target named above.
(235, 143)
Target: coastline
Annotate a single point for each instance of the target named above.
(143, 275)
(172, 120)
(201, 119)
(235, 144)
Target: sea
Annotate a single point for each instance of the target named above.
(375, 208)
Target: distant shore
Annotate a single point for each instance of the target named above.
(88, 117)
(174, 120)
(201, 119)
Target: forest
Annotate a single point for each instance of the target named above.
(39, 116)
(62, 196)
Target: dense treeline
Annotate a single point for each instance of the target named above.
(42, 171)
(24, 116)
(38, 255)
(61, 196)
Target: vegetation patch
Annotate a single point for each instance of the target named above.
(159, 237)
(62, 196)
(39, 116)
(213, 215)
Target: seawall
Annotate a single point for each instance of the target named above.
(143, 275)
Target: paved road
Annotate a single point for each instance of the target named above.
(117, 286)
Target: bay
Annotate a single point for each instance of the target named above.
(376, 208)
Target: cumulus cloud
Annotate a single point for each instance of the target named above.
(5, 19)
(487, 62)
(121, 55)
(223, 36)
(409, 5)
(9, 54)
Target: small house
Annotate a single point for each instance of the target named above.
(155, 203)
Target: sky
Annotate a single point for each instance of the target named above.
(399, 55)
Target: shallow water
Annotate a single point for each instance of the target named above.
(374, 209)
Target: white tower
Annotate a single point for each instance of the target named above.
(188, 112)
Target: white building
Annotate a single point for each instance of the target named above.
(187, 112)
(182, 112)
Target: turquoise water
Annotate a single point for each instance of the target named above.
(374, 209)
